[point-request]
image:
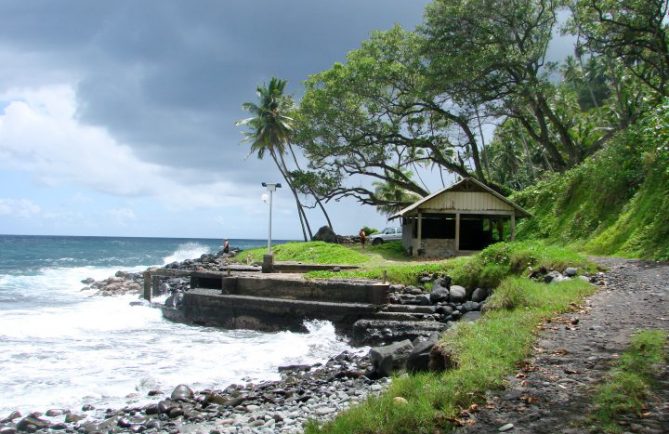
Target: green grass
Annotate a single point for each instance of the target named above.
(628, 385)
(312, 252)
(485, 352)
(485, 269)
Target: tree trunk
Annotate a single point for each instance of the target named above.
(299, 206)
(313, 193)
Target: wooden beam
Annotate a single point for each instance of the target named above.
(513, 227)
(457, 232)
(420, 233)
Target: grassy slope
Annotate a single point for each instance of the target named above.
(615, 203)
(486, 352)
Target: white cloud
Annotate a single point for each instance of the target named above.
(40, 134)
(23, 208)
(122, 215)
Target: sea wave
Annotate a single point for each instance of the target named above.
(187, 251)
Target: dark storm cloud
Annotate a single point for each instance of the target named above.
(168, 78)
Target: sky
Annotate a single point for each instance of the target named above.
(118, 118)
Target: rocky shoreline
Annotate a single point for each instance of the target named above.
(305, 392)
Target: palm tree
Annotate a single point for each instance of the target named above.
(269, 130)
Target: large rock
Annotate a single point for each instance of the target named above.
(326, 234)
(443, 281)
(419, 359)
(571, 271)
(32, 423)
(390, 358)
(480, 294)
(458, 294)
(182, 393)
(439, 293)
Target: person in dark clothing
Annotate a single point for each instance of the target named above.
(226, 246)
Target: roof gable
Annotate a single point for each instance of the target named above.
(443, 200)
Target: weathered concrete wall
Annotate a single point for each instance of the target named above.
(211, 307)
(294, 289)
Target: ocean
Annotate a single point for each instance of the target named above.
(62, 348)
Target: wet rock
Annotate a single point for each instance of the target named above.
(88, 281)
(458, 294)
(13, 415)
(74, 417)
(506, 427)
(87, 407)
(32, 423)
(182, 393)
(8, 430)
(176, 412)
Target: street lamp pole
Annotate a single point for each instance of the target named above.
(271, 188)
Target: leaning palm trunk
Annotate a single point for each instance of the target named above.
(304, 223)
(313, 193)
(300, 208)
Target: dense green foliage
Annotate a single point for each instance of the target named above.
(629, 383)
(486, 352)
(616, 201)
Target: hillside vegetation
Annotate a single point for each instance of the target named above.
(616, 202)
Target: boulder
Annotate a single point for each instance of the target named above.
(32, 423)
(469, 306)
(444, 281)
(326, 234)
(423, 300)
(88, 281)
(571, 271)
(458, 294)
(390, 358)
(182, 393)
(553, 276)
(439, 294)
(419, 359)
(480, 294)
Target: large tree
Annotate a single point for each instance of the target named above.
(269, 130)
(494, 52)
(376, 116)
(632, 31)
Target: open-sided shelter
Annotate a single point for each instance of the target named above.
(465, 217)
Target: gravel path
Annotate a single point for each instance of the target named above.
(552, 393)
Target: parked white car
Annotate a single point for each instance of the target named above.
(388, 234)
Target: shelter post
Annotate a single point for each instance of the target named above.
(457, 231)
(513, 226)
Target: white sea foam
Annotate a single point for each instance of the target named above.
(186, 251)
(68, 348)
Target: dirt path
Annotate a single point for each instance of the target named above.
(552, 394)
